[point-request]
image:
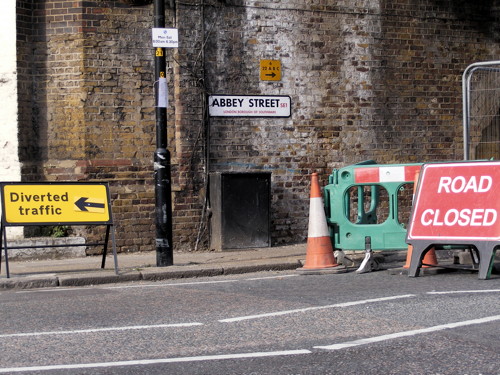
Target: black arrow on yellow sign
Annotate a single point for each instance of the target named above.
(82, 204)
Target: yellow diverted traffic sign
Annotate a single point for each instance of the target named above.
(55, 203)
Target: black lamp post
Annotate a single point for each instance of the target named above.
(163, 189)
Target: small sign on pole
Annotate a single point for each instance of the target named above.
(165, 37)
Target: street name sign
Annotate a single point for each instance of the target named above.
(249, 106)
(456, 204)
(55, 203)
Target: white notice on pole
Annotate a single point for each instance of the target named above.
(165, 38)
(162, 93)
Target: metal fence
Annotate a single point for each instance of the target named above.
(481, 110)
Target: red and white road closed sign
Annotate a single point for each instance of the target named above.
(457, 201)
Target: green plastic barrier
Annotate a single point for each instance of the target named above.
(352, 218)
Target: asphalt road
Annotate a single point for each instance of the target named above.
(263, 323)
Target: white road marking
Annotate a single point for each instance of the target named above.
(156, 361)
(270, 277)
(197, 282)
(339, 346)
(467, 291)
(391, 336)
(170, 284)
(96, 330)
(46, 290)
(250, 355)
(286, 312)
(156, 285)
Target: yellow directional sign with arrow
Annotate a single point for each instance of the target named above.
(87, 204)
(51, 203)
(270, 70)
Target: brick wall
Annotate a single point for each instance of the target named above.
(119, 115)
(91, 116)
(368, 80)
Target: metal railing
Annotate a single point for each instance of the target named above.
(481, 110)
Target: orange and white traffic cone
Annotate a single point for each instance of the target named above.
(319, 254)
(430, 258)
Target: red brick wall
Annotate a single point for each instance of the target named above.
(89, 88)
(368, 80)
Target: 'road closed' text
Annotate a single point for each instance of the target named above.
(465, 217)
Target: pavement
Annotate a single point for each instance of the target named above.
(141, 266)
(80, 271)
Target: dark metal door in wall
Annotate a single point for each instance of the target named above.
(240, 203)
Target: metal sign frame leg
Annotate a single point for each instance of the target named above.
(487, 252)
(105, 251)
(417, 256)
(3, 237)
(114, 250)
